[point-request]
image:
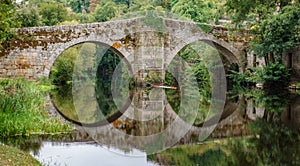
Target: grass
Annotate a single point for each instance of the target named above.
(22, 109)
(10, 156)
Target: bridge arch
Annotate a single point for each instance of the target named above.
(228, 51)
(121, 53)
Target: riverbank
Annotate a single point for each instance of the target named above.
(23, 113)
(22, 104)
(10, 156)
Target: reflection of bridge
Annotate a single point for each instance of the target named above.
(142, 44)
(125, 132)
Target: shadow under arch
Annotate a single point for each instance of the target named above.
(115, 115)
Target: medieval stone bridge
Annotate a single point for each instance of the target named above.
(143, 43)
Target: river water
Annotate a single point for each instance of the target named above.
(84, 153)
(248, 131)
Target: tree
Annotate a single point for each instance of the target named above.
(275, 25)
(277, 33)
(29, 16)
(52, 13)
(80, 6)
(87, 18)
(105, 12)
(126, 2)
(92, 5)
(195, 10)
(7, 13)
(62, 71)
(250, 10)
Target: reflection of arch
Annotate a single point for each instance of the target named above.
(112, 136)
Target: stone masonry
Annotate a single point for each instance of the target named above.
(141, 44)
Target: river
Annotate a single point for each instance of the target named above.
(247, 131)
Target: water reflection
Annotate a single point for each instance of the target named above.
(76, 150)
(268, 129)
(259, 135)
(234, 120)
(78, 154)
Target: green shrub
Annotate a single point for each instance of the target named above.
(274, 76)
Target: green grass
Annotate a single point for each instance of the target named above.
(22, 109)
(14, 157)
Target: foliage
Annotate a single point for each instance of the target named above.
(250, 9)
(197, 72)
(272, 144)
(62, 71)
(196, 10)
(52, 13)
(79, 6)
(106, 68)
(105, 12)
(278, 33)
(275, 25)
(92, 5)
(248, 78)
(86, 18)
(154, 21)
(273, 76)
(92, 60)
(7, 22)
(29, 16)
(23, 109)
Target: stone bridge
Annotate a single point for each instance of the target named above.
(148, 42)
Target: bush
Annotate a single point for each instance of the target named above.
(274, 76)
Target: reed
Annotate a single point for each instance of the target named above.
(22, 109)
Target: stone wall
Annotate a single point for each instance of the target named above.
(292, 61)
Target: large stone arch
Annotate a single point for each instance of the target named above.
(123, 54)
(190, 32)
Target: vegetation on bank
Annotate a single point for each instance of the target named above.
(22, 104)
(275, 28)
(14, 157)
(273, 75)
(272, 143)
